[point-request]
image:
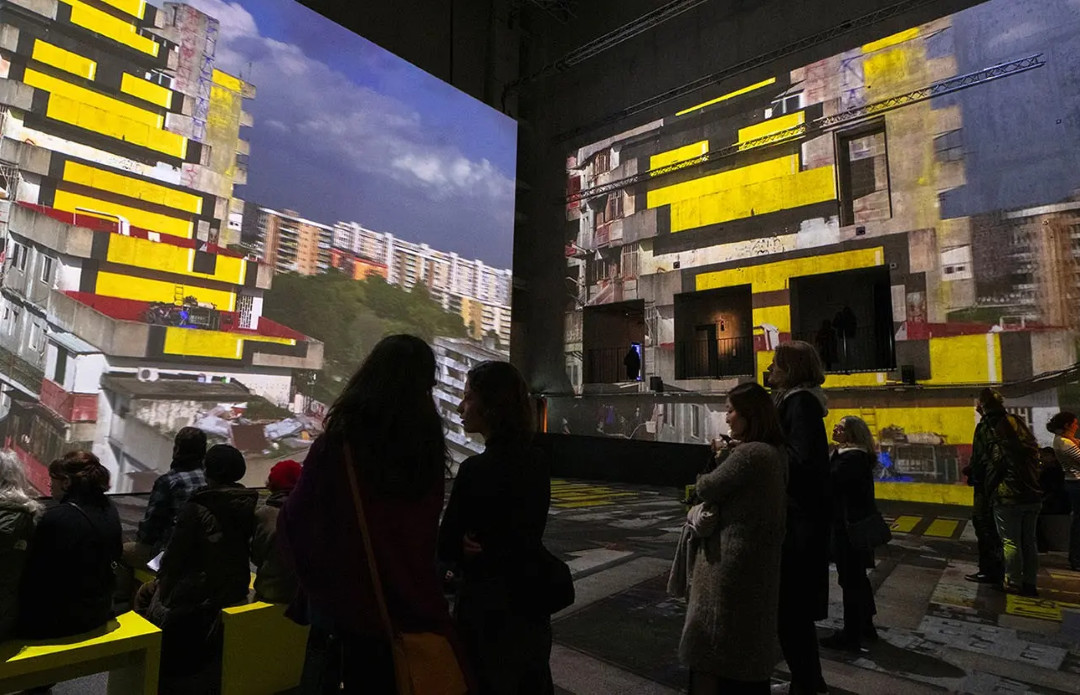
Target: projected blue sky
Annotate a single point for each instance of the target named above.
(347, 131)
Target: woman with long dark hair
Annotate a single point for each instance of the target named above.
(853, 500)
(796, 376)
(386, 426)
(730, 630)
(79, 537)
(493, 529)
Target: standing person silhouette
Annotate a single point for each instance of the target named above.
(796, 377)
(632, 362)
(493, 528)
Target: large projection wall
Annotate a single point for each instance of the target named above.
(210, 213)
(911, 206)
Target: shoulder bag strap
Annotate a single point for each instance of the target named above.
(354, 485)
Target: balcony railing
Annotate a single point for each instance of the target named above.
(605, 366)
(18, 369)
(72, 407)
(863, 349)
(714, 359)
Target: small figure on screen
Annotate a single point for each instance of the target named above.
(632, 361)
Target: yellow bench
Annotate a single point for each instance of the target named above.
(129, 648)
(262, 651)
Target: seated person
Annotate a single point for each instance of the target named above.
(168, 496)
(205, 566)
(18, 514)
(68, 580)
(275, 582)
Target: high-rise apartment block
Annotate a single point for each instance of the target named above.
(123, 313)
(478, 292)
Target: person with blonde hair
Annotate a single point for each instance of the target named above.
(796, 376)
(18, 514)
(852, 473)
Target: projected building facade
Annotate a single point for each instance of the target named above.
(881, 204)
(123, 310)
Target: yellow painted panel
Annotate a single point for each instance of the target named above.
(64, 60)
(251, 632)
(153, 221)
(779, 316)
(1040, 608)
(200, 343)
(764, 359)
(107, 25)
(57, 87)
(729, 95)
(146, 90)
(135, 8)
(756, 189)
(955, 424)
(833, 381)
(678, 155)
(900, 37)
(132, 188)
(770, 277)
(228, 81)
(904, 524)
(147, 290)
(942, 528)
(931, 493)
(965, 359)
(773, 125)
(143, 253)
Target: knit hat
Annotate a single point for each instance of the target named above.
(225, 464)
(284, 475)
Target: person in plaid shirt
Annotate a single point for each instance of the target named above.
(168, 495)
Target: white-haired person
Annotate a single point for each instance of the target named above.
(18, 514)
(852, 476)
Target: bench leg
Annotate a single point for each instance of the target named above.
(140, 677)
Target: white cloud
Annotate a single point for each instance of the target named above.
(336, 119)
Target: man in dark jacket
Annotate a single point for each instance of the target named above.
(205, 566)
(1012, 482)
(991, 569)
(275, 582)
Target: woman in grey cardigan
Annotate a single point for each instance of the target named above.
(729, 637)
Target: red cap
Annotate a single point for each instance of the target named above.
(284, 475)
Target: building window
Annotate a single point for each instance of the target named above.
(948, 147)
(13, 324)
(37, 337)
(863, 173)
(602, 162)
(714, 333)
(609, 332)
(847, 316)
(20, 253)
(789, 103)
(46, 269)
(695, 421)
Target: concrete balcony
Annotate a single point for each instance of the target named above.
(71, 407)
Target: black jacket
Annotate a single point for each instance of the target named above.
(68, 580)
(275, 582)
(16, 530)
(205, 567)
(852, 486)
(501, 497)
(804, 570)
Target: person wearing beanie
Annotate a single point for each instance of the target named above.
(204, 569)
(275, 582)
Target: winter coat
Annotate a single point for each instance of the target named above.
(67, 583)
(16, 529)
(1005, 456)
(205, 566)
(275, 581)
(501, 498)
(168, 496)
(319, 532)
(809, 515)
(852, 475)
(730, 628)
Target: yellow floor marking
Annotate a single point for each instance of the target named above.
(942, 528)
(1040, 608)
(577, 505)
(584, 498)
(904, 524)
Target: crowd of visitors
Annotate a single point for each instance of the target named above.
(352, 541)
